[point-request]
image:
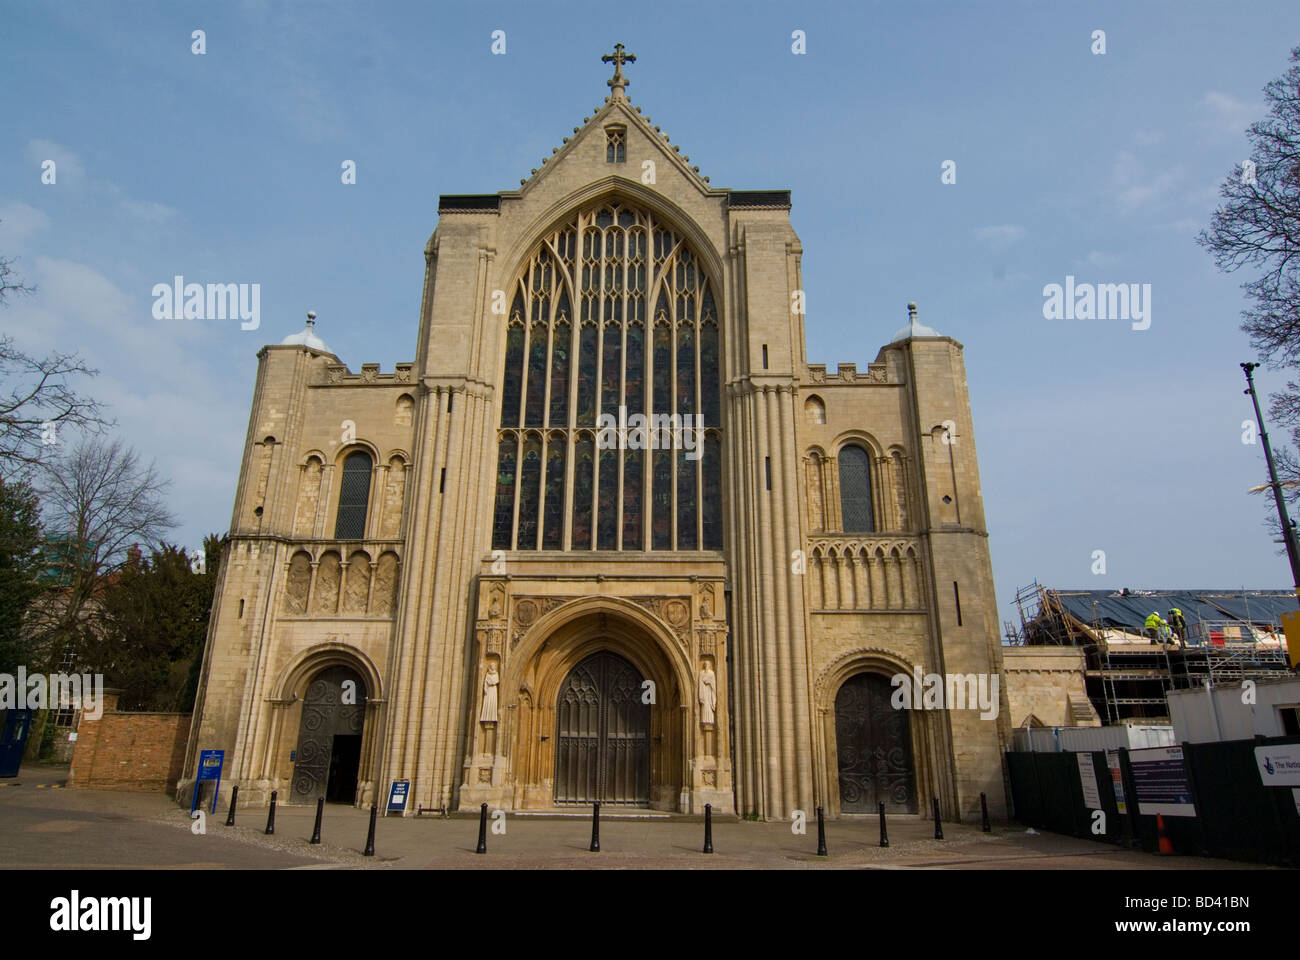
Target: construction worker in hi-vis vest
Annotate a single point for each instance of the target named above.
(1156, 625)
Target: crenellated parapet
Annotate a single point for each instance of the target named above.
(848, 373)
(337, 374)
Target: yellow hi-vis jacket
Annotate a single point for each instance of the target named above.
(1154, 622)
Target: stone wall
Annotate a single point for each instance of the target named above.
(1043, 682)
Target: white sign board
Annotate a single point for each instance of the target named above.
(1279, 766)
(1088, 777)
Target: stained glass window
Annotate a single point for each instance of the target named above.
(503, 527)
(855, 490)
(584, 471)
(553, 529)
(530, 480)
(643, 342)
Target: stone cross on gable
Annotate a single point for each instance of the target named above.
(618, 58)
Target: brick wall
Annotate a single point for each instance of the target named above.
(129, 751)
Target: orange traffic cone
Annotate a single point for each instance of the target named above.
(1162, 838)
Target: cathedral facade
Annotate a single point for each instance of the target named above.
(609, 536)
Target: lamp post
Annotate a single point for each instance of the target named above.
(1288, 531)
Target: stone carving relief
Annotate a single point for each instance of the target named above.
(488, 714)
(708, 693)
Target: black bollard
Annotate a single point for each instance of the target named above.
(884, 834)
(482, 830)
(270, 817)
(821, 834)
(984, 812)
(938, 826)
(708, 828)
(370, 836)
(595, 827)
(320, 811)
(234, 795)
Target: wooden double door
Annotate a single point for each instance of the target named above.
(602, 749)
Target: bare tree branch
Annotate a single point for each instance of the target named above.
(99, 500)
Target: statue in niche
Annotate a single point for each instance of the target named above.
(494, 608)
(708, 694)
(706, 609)
(489, 712)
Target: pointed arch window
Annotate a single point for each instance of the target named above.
(354, 497)
(613, 317)
(855, 491)
(615, 144)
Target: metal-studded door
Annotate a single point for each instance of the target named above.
(873, 742)
(333, 714)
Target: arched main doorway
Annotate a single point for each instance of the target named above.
(873, 743)
(328, 758)
(602, 748)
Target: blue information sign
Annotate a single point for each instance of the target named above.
(397, 796)
(210, 764)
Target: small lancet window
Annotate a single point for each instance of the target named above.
(615, 144)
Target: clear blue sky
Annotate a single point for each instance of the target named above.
(225, 168)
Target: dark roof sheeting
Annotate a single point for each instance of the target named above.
(468, 202)
(759, 198)
(1130, 612)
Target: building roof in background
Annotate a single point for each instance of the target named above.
(1114, 609)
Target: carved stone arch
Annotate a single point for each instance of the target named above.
(615, 188)
(857, 660)
(365, 446)
(814, 408)
(547, 624)
(398, 453)
(294, 676)
(314, 452)
(536, 671)
(859, 438)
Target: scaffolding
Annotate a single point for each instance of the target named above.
(1129, 673)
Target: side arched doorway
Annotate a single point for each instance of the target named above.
(873, 744)
(602, 740)
(328, 759)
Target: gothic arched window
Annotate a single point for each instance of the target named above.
(855, 491)
(611, 341)
(354, 497)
